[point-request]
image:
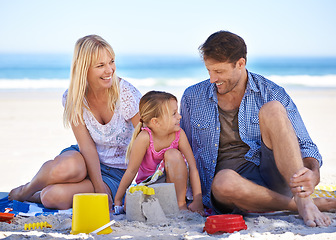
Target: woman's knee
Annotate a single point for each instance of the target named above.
(54, 196)
(68, 167)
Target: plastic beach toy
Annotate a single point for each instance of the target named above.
(6, 216)
(90, 211)
(29, 226)
(103, 227)
(224, 223)
(146, 190)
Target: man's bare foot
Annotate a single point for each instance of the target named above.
(19, 193)
(310, 213)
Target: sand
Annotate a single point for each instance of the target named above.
(32, 132)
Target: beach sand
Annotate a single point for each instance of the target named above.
(32, 132)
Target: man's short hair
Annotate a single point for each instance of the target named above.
(223, 46)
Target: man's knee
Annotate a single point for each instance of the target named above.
(271, 111)
(224, 184)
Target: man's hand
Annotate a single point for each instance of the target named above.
(305, 179)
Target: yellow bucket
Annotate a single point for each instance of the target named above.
(90, 211)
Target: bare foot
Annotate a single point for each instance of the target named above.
(36, 198)
(310, 213)
(183, 206)
(325, 204)
(19, 193)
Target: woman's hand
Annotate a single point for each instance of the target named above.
(103, 188)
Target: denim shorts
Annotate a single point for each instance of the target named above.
(266, 175)
(111, 176)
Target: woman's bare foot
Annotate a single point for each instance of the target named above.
(310, 213)
(20, 193)
(325, 204)
(36, 198)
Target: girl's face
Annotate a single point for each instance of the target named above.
(173, 120)
(100, 72)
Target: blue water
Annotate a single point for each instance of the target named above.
(160, 69)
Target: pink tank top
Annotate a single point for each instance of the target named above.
(152, 158)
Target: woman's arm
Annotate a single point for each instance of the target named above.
(184, 147)
(135, 120)
(89, 151)
(137, 154)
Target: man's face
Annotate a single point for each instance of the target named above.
(225, 75)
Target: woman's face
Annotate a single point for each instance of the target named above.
(100, 73)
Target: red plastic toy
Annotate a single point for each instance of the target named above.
(6, 217)
(224, 223)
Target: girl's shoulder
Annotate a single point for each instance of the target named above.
(182, 132)
(181, 135)
(145, 131)
(143, 137)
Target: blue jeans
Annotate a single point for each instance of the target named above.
(111, 176)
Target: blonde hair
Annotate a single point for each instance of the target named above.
(87, 52)
(153, 104)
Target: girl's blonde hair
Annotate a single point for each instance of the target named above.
(87, 52)
(153, 104)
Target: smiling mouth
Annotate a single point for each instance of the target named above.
(218, 84)
(107, 78)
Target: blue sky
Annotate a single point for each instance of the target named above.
(175, 27)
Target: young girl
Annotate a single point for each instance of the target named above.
(159, 137)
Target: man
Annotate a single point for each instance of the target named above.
(251, 146)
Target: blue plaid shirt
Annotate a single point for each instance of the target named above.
(200, 121)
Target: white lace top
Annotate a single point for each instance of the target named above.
(113, 138)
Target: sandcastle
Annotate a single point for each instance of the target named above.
(151, 204)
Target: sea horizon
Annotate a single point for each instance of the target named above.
(52, 71)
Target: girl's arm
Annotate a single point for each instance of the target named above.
(89, 152)
(184, 147)
(137, 154)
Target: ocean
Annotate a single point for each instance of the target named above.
(51, 71)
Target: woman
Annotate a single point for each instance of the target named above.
(102, 110)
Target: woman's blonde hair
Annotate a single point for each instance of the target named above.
(153, 104)
(87, 52)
